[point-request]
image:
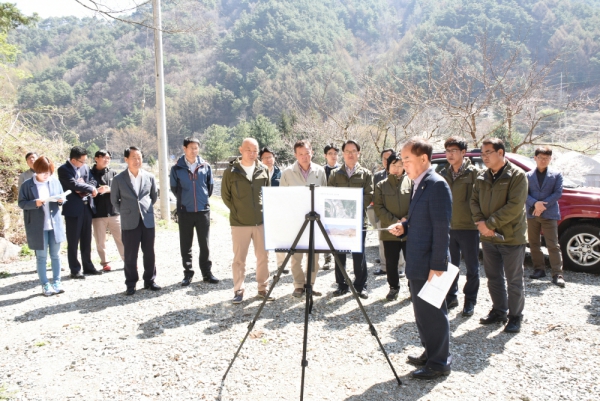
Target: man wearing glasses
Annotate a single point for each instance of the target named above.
(75, 176)
(545, 189)
(460, 174)
(352, 175)
(498, 208)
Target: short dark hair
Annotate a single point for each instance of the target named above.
(263, 151)
(386, 150)
(43, 165)
(102, 153)
(129, 149)
(351, 142)
(543, 150)
(190, 139)
(456, 141)
(419, 147)
(496, 143)
(29, 154)
(76, 152)
(330, 146)
(394, 157)
(302, 143)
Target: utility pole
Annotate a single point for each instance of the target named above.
(161, 116)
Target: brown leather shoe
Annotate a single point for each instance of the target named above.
(263, 294)
(558, 280)
(298, 292)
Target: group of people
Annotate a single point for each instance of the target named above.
(432, 219)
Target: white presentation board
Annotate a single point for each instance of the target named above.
(341, 211)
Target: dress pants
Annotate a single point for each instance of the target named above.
(433, 327)
(200, 221)
(392, 256)
(360, 268)
(113, 224)
(503, 264)
(535, 226)
(79, 233)
(465, 243)
(132, 239)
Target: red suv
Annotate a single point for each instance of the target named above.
(579, 229)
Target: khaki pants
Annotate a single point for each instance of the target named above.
(241, 237)
(535, 226)
(298, 272)
(280, 258)
(100, 225)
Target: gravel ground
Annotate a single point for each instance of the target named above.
(94, 343)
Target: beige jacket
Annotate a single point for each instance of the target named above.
(292, 177)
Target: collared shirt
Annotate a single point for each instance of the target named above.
(497, 175)
(304, 173)
(350, 171)
(455, 175)
(77, 172)
(191, 166)
(417, 181)
(136, 182)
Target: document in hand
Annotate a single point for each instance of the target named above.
(435, 291)
(56, 198)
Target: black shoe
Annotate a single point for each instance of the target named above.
(130, 291)
(537, 274)
(151, 286)
(468, 309)
(420, 360)
(514, 324)
(364, 294)
(94, 273)
(340, 291)
(558, 280)
(78, 275)
(285, 271)
(377, 260)
(452, 304)
(392, 294)
(426, 373)
(493, 317)
(380, 272)
(211, 279)
(186, 281)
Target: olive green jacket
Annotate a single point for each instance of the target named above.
(242, 197)
(462, 189)
(502, 204)
(391, 202)
(362, 178)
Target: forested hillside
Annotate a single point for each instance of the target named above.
(324, 69)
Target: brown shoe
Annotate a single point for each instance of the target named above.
(298, 292)
(558, 280)
(263, 294)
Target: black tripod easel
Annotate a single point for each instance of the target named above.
(311, 218)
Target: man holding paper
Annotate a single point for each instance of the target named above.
(427, 226)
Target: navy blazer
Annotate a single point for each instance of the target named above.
(550, 192)
(427, 227)
(35, 216)
(67, 177)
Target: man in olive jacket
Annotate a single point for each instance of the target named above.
(241, 190)
(352, 175)
(498, 208)
(460, 175)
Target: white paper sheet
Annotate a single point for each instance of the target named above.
(57, 198)
(434, 291)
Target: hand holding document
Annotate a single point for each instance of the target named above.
(435, 290)
(62, 197)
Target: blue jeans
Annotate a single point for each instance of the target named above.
(42, 256)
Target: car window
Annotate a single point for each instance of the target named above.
(439, 164)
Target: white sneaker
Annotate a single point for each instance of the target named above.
(57, 287)
(47, 290)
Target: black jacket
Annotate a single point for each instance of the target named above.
(104, 207)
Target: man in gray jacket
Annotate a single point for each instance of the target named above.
(303, 172)
(133, 194)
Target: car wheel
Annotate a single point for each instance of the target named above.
(580, 245)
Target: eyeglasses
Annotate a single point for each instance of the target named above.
(452, 151)
(544, 159)
(488, 153)
(350, 152)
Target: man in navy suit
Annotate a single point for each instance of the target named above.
(428, 229)
(75, 176)
(543, 214)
